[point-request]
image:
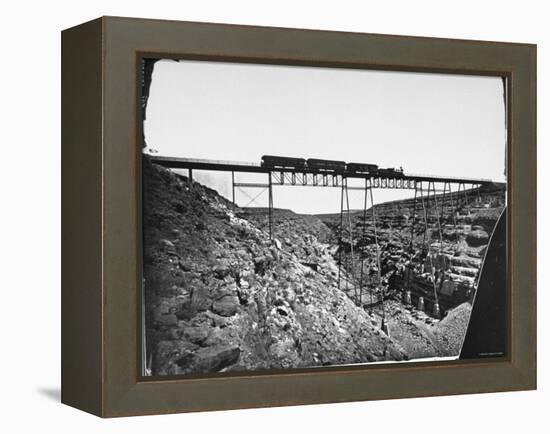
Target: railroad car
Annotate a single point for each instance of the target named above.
(276, 162)
(363, 168)
(327, 166)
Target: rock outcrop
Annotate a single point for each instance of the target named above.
(457, 232)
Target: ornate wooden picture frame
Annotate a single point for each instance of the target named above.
(102, 192)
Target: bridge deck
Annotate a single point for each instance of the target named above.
(230, 166)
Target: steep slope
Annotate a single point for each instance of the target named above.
(302, 235)
(219, 296)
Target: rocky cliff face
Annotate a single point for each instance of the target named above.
(220, 297)
(455, 231)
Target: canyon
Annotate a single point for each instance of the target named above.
(221, 296)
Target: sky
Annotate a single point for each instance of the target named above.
(437, 124)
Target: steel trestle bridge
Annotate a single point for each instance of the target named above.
(314, 178)
(308, 177)
(424, 187)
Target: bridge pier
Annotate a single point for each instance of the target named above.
(233, 185)
(420, 305)
(436, 311)
(385, 328)
(270, 205)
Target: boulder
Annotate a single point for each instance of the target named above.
(477, 238)
(213, 359)
(283, 354)
(260, 265)
(200, 298)
(168, 246)
(196, 335)
(167, 320)
(200, 226)
(221, 270)
(169, 351)
(226, 306)
(185, 266)
(217, 336)
(244, 294)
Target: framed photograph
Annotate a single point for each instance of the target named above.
(259, 216)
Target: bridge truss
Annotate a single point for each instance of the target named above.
(430, 192)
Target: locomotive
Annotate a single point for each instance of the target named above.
(328, 166)
(363, 168)
(391, 172)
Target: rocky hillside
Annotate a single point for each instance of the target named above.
(220, 296)
(304, 236)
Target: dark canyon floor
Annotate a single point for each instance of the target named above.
(220, 296)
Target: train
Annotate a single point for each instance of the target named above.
(317, 165)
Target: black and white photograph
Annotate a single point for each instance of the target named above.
(301, 217)
(277, 217)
